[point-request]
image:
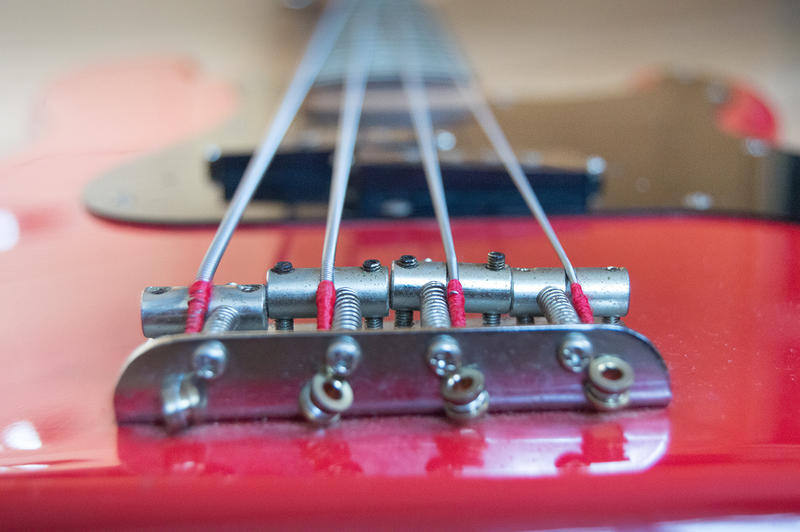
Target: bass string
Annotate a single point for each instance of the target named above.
(359, 61)
(322, 41)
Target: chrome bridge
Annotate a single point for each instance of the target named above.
(526, 352)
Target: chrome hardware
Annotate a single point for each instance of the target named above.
(433, 306)
(465, 396)
(608, 383)
(556, 306)
(327, 395)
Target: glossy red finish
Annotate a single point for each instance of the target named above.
(719, 297)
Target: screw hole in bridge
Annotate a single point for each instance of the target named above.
(333, 390)
(463, 384)
(612, 373)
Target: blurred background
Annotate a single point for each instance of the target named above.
(714, 86)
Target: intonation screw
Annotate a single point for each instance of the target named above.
(496, 261)
(407, 261)
(282, 267)
(433, 306)
(371, 265)
(556, 306)
(346, 310)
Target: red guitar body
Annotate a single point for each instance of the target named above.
(719, 297)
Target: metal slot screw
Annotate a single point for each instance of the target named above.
(612, 320)
(433, 306)
(608, 383)
(403, 319)
(525, 319)
(557, 307)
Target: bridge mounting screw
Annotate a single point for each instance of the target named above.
(407, 261)
(282, 267)
(496, 261)
(371, 265)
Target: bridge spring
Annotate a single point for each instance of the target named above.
(556, 306)
(433, 306)
(346, 310)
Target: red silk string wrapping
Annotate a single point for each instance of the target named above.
(581, 304)
(455, 303)
(326, 298)
(199, 299)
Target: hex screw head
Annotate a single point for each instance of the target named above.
(371, 265)
(407, 261)
(282, 267)
(496, 261)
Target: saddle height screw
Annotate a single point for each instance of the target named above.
(407, 261)
(284, 324)
(282, 267)
(371, 265)
(403, 318)
(495, 261)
